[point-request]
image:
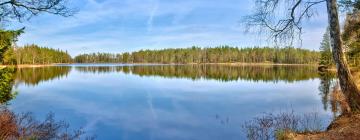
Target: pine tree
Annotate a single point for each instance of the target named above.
(325, 50)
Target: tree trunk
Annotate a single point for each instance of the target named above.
(347, 83)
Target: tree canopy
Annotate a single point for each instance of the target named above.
(7, 38)
(34, 54)
(222, 54)
(325, 50)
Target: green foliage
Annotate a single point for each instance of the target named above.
(222, 54)
(9, 57)
(33, 54)
(7, 38)
(326, 58)
(7, 76)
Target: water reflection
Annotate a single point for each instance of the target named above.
(275, 126)
(33, 76)
(108, 100)
(331, 94)
(25, 125)
(326, 83)
(214, 72)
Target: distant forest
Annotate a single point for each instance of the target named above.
(222, 54)
(33, 54)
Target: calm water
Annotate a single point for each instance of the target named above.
(208, 102)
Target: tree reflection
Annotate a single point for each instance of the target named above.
(24, 126)
(331, 94)
(326, 83)
(33, 76)
(215, 72)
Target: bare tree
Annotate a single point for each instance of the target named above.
(25, 9)
(283, 20)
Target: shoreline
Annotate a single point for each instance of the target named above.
(258, 64)
(27, 66)
(230, 64)
(343, 127)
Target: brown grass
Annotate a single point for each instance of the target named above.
(25, 127)
(356, 75)
(276, 126)
(8, 127)
(342, 128)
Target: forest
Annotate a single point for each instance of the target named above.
(34, 54)
(221, 54)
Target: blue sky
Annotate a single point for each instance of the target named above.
(129, 25)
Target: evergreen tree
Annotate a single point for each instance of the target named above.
(325, 50)
(34, 54)
(7, 38)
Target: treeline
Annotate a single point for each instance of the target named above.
(34, 54)
(222, 54)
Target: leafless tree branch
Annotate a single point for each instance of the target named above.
(25, 9)
(281, 29)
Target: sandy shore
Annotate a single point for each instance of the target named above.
(27, 66)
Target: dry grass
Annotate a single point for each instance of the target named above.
(356, 75)
(8, 127)
(338, 101)
(276, 126)
(342, 128)
(25, 127)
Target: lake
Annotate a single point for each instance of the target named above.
(192, 102)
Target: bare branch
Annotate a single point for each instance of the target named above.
(25, 9)
(281, 29)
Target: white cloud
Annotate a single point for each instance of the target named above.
(152, 16)
(128, 25)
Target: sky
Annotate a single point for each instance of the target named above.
(118, 26)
